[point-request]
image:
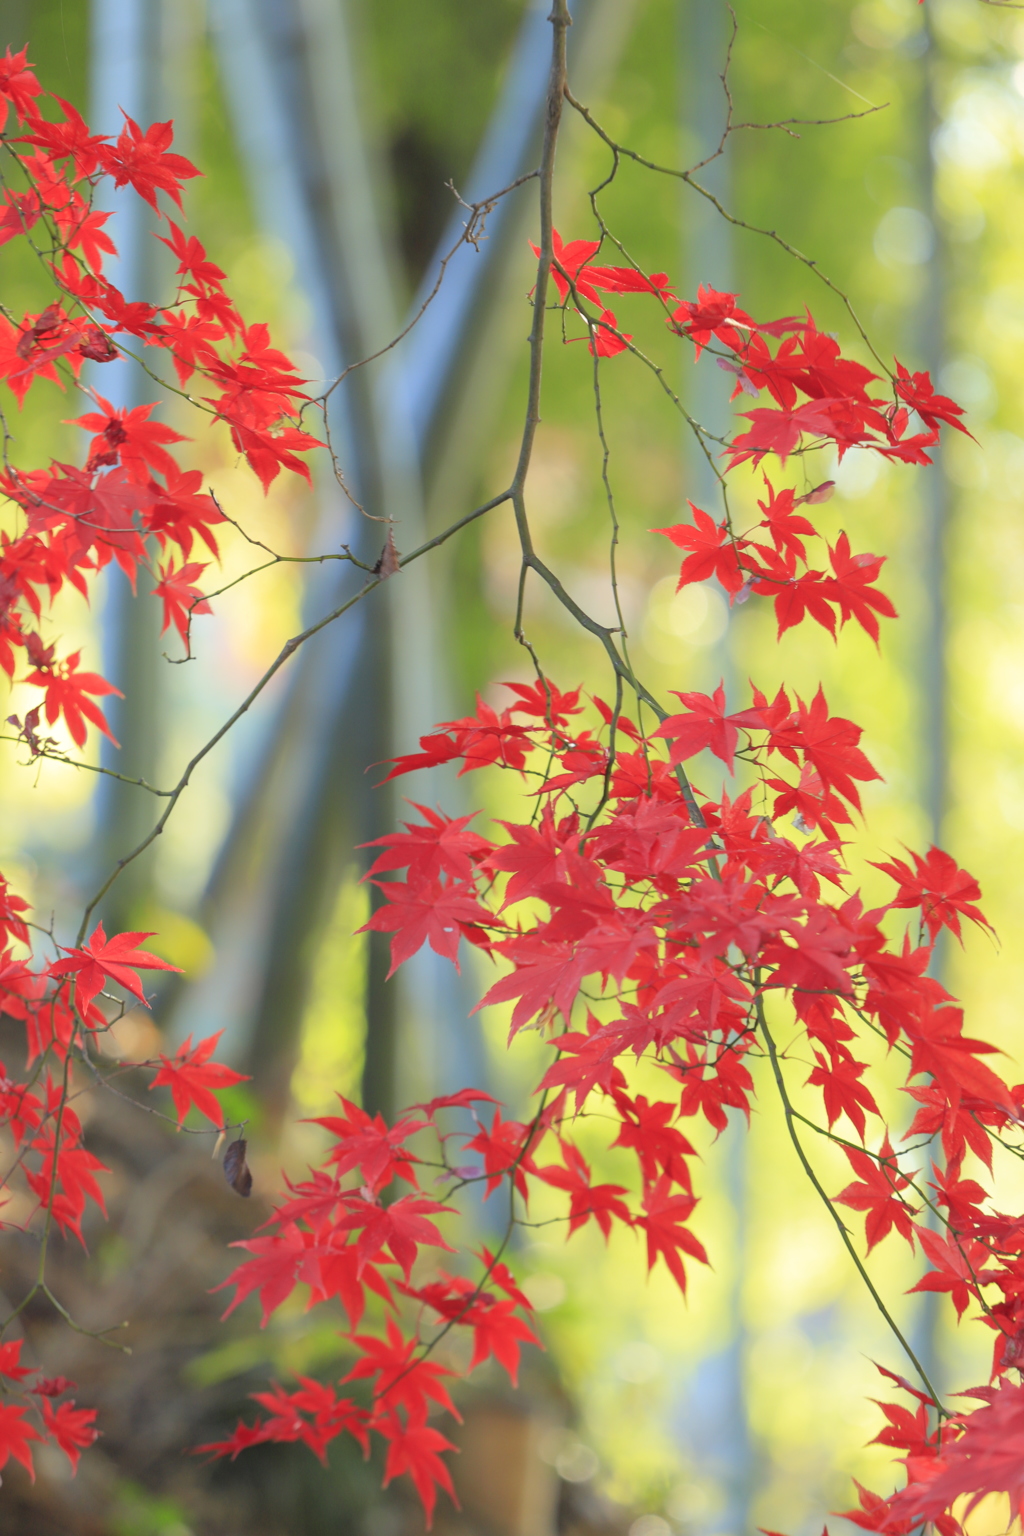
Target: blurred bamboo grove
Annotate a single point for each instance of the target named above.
(329, 131)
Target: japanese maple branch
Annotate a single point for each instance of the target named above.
(531, 561)
(474, 230)
(819, 1189)
(731, 218)
(56, 756)
(560, 22)
(783, 124)
(891, 1168)
(429, 1346)
(287, 651)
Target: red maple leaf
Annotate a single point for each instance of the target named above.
(403, 1381)
(628, 280)
(710, 1087)
(659, 1147)
(827, 743)
(269, 451)
(713, 314)
(436, 749)
(585, 1199)
(421, 911)
(606, 339)
(438, 846)
(71, 137)
(942, 890)
(667, 1233)
(181, 599)
(851, 587)
(705, 724)
(244, 1436)
(117, 959)
(129, 437)
(65, 1189)
(584, 1062)
(959, 1120)
(567, 264)
(113, 519)
(416, 1448)
(496, 1329)
(328, 1414)
(22, 211)
(819, 957)
(12, 924)
(181, 510)
(53, 1386)
(193, 1078)
(842, 1090)
(906, 1431)
(503, 1277)
(192, 258)
(19, 86)
(72, 1428)
(144, 160)
(545, 701)
(66, 694)
(261, 386)
(713, 551)
(572, 262)
(464, 1099)
(795, 600)
(959, 1267)
(342, 1275)
(536, 856)
(877, 1194)
(15, 1434)
(278, 1264)
(190, 341)
(784, 523)
(402, 1227)
(983, 1460)
(498, 1332)
(919, 393)
(875, 1514)
(10, 1354)
(501, 1148)
(367, 1143)
(546, 976)
(938, 1046)
(963, 1198)
(30, 353)
(781, 431)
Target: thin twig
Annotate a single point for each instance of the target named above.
(840, 1224)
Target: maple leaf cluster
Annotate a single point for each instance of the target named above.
(343, 1234)
(59, 1004)
(71, 521)
(807, 362)
(640, 924)
(76, 519)
(837, 404)
(69, 1428)
(639, 935)
(771, 558)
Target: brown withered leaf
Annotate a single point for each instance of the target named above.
(236, 1169)
(388, 564)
